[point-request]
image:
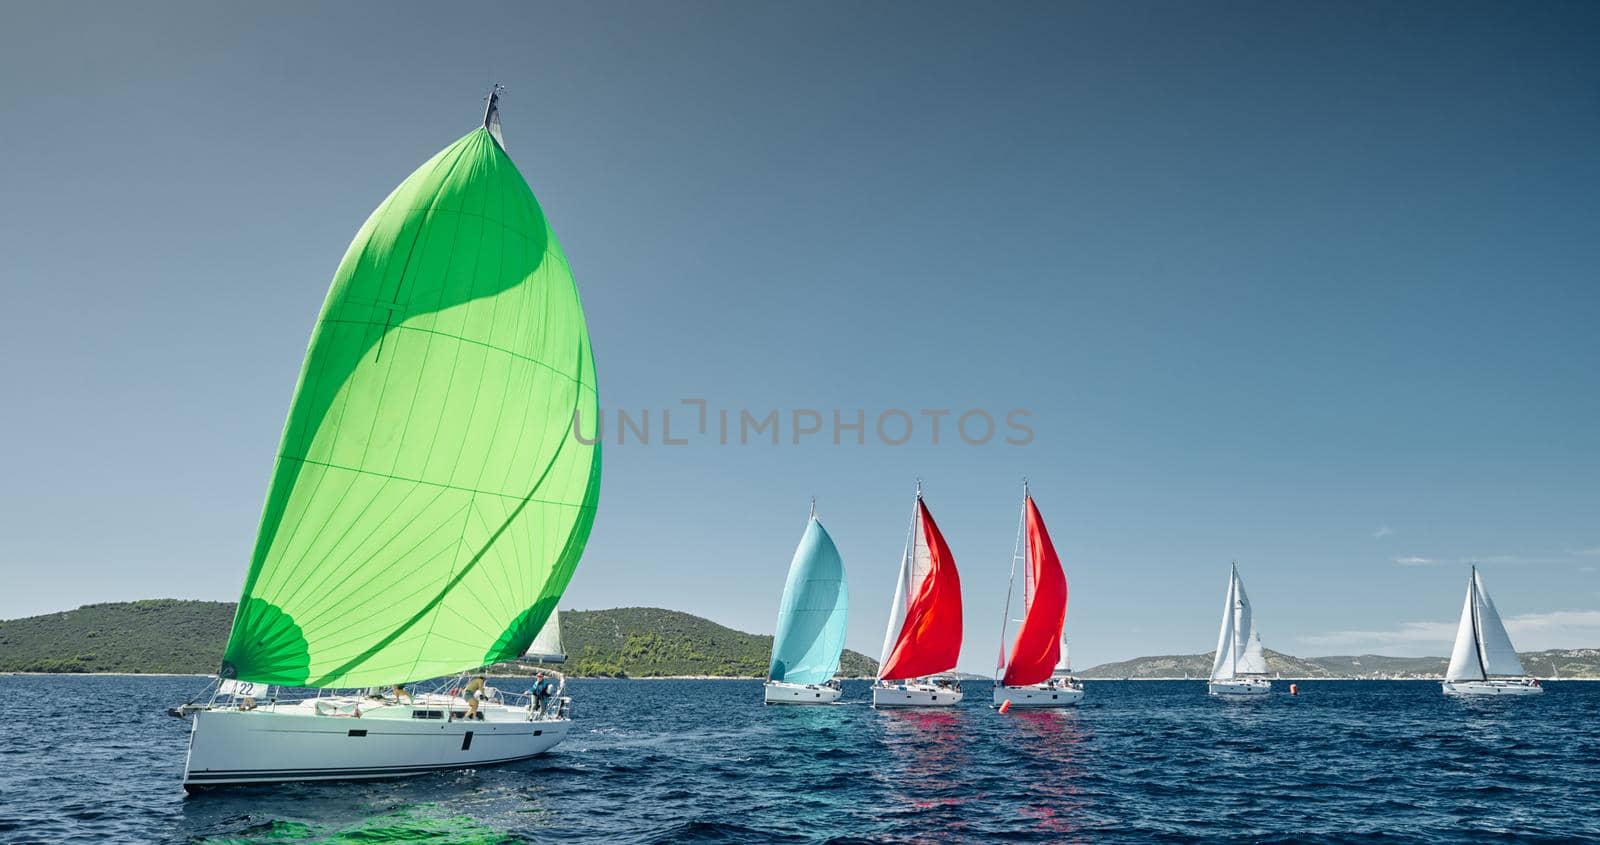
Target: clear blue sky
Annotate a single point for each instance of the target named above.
(1315, 287)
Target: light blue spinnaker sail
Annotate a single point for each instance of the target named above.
(812, 616)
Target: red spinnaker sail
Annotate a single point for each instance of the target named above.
(1038, 645)
(930, 639)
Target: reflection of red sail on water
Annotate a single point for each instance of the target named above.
(1059, 740)
(928, 760)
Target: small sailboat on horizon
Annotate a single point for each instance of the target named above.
(811, 623)
(1483, 661)
(1240, 665)
(1038, 671)
(923, 639)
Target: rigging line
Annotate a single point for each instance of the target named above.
(1477, 639)
(1016, 552)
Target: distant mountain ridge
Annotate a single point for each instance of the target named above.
(186, 637)
(644, 642)
(1564, 663)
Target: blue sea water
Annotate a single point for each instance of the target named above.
(95, 759)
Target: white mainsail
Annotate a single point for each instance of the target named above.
(1239, 650)
(1483, 648)
(546, 647)
(905, 584)
(1064, 665)
(1499, 656)
(1254, 659)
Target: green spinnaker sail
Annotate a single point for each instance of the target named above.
(430, 499)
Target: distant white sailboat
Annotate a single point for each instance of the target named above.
(811, 623)
(1240, 667)
(1038, 671)
(1483, 661)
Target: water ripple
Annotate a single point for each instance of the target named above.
(672, 761)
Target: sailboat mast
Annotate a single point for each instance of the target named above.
(491, 114)
(1477, 636)
(911, 543)
(1233, 590)
(1016, 552)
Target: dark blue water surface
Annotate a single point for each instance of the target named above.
(95, 759)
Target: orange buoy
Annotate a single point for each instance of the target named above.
(1294, 689)
(1005, 706)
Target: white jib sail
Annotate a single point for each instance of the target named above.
(546, 647)
(1252, 658)
(1499, 656)
(1222, 664)
(1064, 665)
(904, 585)
(1465, 662)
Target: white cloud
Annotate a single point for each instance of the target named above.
(1382, 532)
(1530, 632)
(1490, 560)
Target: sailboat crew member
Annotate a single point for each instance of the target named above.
(472, 693)
(541, 691)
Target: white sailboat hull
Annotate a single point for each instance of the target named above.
(1038, 696)
(914, 694)
(272, 746)
(1514, 686)
(1238, 687)
(777, 692)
